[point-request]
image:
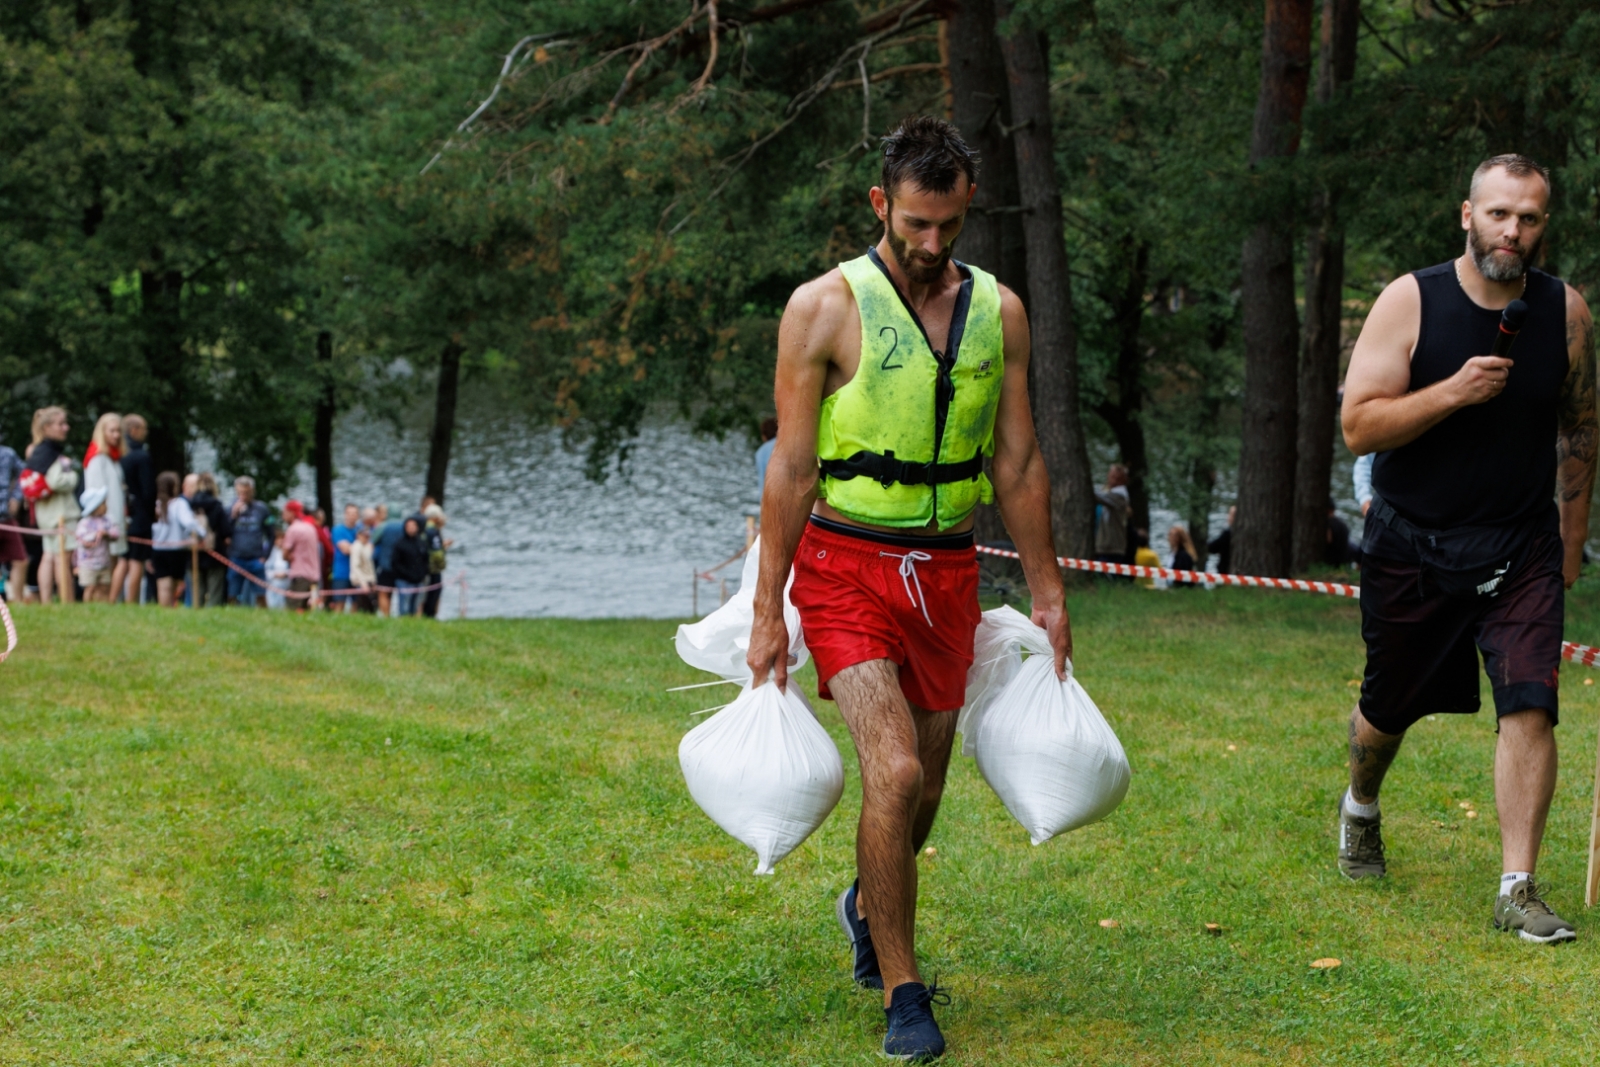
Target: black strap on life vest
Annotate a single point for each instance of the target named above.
(887, 470)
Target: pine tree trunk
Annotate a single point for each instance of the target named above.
(1055, 343)
(1123, 413)
(322, 426)
(444, 419)
(1323, 341)
(1263, 533)
(991, 236)
(161, 321)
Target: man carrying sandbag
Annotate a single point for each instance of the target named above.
(1463, 378)
(898, 372)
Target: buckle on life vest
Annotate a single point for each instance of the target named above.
(886, 470)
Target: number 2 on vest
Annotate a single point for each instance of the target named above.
(895, 338)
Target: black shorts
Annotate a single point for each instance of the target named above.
(170, 562)
(137, 551)
(1422, 651)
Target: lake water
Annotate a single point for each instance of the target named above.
(534, 537)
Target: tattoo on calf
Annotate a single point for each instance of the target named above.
(1369, 762)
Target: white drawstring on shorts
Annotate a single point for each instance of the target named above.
(908, 575)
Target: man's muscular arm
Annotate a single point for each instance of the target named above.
(1380, 412)
(1022, 485)
(805, 349)
(1576, 435)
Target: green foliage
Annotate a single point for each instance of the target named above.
(158, 184)
(190, 193)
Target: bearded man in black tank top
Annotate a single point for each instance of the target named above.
(1477, 524)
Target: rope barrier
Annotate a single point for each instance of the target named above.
(28, 531)
(1130, 570)
(1585, 655)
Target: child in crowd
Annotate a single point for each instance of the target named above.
(277, 573)
(95, 534)
(363, 572)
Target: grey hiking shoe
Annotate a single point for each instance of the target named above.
(1360, 845)
(1524, 911)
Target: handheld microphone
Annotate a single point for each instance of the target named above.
(1511, 320)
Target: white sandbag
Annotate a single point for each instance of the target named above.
(765, 770)
(719, 642)
(1045, 749)
(996, 659)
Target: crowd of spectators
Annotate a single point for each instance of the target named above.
(111, 528)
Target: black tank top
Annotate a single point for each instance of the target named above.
(1489, 464)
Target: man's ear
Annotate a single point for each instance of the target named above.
(880, 202)
(1466, 214)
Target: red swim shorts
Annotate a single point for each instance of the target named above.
(873, 596)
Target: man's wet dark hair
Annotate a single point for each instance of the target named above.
(929, 153)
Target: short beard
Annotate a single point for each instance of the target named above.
(918, 271)
(1497, 268)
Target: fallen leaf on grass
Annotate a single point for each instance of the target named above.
(1214, 929)
(930, 851)
(1110, 924)
(1472, 815)
(1327, 963)
(1588, 681)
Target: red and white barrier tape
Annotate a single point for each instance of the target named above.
(1195, 577)
(1583, 654)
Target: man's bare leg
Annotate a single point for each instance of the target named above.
(1371, 752)
(1524, 783)
(903, 753)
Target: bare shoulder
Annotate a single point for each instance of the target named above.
(1401, 299)
(1013, 324)
(820, 298)
(1011, 303)
(817, 314)
(1390, 333)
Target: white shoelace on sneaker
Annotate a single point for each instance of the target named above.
(908, 575)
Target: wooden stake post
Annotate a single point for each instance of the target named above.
(63, 568)
(1591, 893)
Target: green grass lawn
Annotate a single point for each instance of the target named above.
(242, 837)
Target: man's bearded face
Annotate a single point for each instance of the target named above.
(1502, 259)
(920, 267)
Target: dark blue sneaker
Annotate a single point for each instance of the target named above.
(913, 1035)
(855, 927)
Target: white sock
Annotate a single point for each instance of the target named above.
(1511, 878)
(1361, 811)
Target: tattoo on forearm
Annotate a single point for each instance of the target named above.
(1369, 762)
(1578, 440)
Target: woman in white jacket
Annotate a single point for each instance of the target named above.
(102, 469)
(55, 512)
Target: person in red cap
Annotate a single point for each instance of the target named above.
(303, 549)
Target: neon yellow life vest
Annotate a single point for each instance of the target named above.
(902, 443)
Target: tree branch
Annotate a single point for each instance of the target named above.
(891, 72)
(711, 63)
(499, 83)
